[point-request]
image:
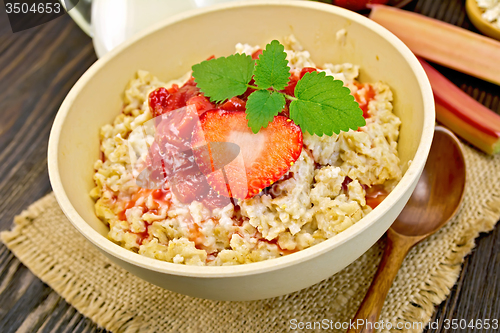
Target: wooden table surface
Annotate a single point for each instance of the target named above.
(37, 69)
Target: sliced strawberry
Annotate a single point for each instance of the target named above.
(263, 158)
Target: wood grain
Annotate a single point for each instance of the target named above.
(37, 69)
(395, 251)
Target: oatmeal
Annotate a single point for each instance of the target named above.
(333, 182)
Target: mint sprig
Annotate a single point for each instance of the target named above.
(322, 105)
(225, 77)
(321, 98)
(271, 68)
(263, 106)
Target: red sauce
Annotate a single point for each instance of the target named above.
(102, 157)
(213, 200)
(290, 88)
(160, 196)
(280, 249)
(164, 100)
(201, 103)
(249, 90)
(142, 236)
(256, 54)
(364, 99)
(345, 183)
(375, 195)
(195, 235)
(121, 215)
(234, 104)
(198, 238)
(211, 256)
(160, 200)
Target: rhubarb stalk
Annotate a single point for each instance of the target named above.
(443, 43)
(461, 113)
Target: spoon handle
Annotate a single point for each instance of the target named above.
(369, 311)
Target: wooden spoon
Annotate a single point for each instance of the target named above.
(434, 202)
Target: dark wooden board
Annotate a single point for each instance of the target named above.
(37, 69)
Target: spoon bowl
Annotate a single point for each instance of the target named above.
(439, 191)
(435, 200)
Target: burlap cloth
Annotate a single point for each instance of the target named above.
(45, 241)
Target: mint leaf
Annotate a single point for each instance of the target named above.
(262, 106)
(271, 68)
(321, 104)
(324, 106)
(224, 77)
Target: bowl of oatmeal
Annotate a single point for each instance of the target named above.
(308, 206)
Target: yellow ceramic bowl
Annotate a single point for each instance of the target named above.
(481, 24)
(168, 50)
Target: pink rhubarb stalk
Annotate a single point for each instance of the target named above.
(461, 113)
(443, 43)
